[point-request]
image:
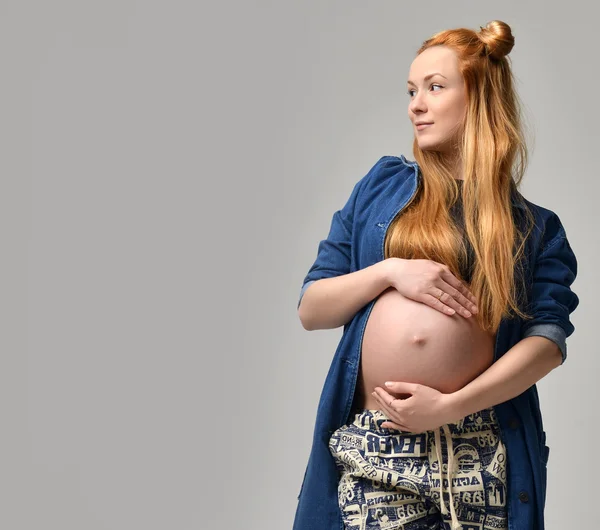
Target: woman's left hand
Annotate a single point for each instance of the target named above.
(424, 410)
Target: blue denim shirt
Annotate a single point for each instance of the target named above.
(355, 241)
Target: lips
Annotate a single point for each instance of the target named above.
(423, 126)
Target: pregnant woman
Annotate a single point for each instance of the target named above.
(454, 293)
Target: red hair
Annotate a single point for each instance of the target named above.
(494, 156)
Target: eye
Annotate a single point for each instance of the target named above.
(411, 90)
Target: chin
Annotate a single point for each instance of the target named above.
(433, 146)
(429, 147)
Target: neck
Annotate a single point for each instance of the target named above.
(454, 163)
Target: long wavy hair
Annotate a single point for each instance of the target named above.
(494, 156)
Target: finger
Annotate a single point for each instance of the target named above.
(460, 298)
(446, 274)
(401, 387)
(392, 425)
(383, 396)
(436, 303)
(390, 410)
(464, 295)
(449, 278)
(446, 293)
(389, 413)
(384, 403)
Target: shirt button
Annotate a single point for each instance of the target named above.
(523, 497)
(513, 423)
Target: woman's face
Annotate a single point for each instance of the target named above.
(439, 100)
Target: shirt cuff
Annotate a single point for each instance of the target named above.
(303, 290)
(551, 331)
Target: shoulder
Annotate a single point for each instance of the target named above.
(548, 228)
(388, 169)
(392, 165)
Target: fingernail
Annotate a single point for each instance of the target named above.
(388, 383)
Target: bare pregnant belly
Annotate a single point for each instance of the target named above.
(405, 340)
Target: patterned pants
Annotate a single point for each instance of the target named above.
(391, 480)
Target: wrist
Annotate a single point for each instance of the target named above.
(456, 406)
(390, 269)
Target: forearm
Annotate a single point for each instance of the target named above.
(522, 366)
(332, 302)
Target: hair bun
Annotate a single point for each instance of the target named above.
(497, 39)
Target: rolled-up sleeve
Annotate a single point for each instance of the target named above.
(552, 299)
(334, 252)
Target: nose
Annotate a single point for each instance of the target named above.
(417, 105)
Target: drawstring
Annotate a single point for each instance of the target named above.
(455, 522)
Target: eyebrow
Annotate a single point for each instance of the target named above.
(426, 78)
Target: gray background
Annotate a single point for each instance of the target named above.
(167, 173)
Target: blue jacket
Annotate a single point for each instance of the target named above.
(356, 241)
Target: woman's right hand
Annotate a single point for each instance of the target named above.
(431, 283)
